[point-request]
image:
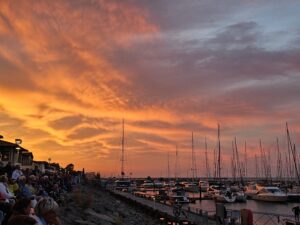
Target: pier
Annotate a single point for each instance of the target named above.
(164, 211)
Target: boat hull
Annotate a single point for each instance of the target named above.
(271, 198)
(224, 199)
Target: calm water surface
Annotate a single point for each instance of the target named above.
(255, 206)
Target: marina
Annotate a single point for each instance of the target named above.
(268, 203)
(205, 211)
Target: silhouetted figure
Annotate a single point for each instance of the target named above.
(296, 211)
(8, 169)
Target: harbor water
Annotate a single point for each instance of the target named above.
(255, 206)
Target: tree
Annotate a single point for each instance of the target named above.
(70, 167)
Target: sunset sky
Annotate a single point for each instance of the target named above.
(70, 71)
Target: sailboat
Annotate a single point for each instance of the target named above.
(192, 186)
(204, 185)
(222, 195)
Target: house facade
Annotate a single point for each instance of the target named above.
(15, 154)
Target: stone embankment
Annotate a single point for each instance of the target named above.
(89, 205)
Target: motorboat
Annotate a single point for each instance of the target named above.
(251, 190)
(270, 194)
(178, 195)
(293, 194)
(203, 185)
(122, 185)
(191, 187)
(239, 196)
(224, 196)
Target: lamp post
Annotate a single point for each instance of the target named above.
(1, 137)
(18, 141)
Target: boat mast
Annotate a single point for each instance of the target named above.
(245, 163)
(194, 168)
(294, 154)
(206, 162)
(233, 163)
(176, 163)
(168, 168)
(215, 164)
(219, 155)
(279, 162)
(122, 157)
(256, 168)
(264, 167)
(238, 161)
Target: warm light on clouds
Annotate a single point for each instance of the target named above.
(71, 70)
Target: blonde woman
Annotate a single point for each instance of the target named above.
(45, 212)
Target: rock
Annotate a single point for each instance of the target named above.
(83, 222)
(104, 209)
(100, 216)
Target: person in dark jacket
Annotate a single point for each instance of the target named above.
(296, 211)
(8, 169)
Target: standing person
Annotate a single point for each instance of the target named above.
(17, 173)
(296, 211)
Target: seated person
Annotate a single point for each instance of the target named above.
(22, 207)
(45, 212)
(4, 191)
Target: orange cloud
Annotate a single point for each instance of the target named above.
(71, 70)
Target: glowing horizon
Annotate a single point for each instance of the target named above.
(72, 70)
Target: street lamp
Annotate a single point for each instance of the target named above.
(18, 141)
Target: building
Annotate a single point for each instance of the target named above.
(15, 154)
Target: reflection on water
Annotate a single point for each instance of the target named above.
(255, 206)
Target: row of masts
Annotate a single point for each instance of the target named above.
(287, 165)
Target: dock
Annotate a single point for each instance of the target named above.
(166, 211)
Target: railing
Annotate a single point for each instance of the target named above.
(271, 218)
(261, 218)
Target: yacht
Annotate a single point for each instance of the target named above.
(190, 187)
(203, 185)
(270, 194)
(251, 190)
(178, 195)
(224, 196)
(240, 196)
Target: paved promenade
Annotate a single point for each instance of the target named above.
(166, 209)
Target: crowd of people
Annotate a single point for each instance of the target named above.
(32, 197)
